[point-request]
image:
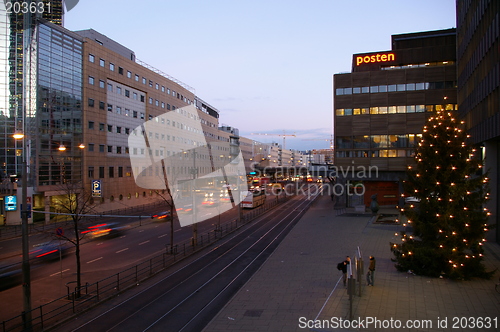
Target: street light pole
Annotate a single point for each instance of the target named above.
(26, 272)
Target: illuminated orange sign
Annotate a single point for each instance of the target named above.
(375, 58)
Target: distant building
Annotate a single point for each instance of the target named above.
(381, 107)
(478, 68)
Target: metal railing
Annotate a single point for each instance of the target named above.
(80, 299)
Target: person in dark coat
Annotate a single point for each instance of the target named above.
(370, 275)
(344, 268)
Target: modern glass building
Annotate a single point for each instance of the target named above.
(381, 107)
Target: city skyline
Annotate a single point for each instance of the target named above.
(267, 69)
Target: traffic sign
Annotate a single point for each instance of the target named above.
(59, 231)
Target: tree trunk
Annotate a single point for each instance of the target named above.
(78, 265)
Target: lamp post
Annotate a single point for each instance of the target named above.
(25, 267)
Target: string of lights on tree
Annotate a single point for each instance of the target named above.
(447, 217)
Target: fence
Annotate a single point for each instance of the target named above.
(355, 280)
(89, 295)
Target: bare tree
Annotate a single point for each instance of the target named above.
(76, 202)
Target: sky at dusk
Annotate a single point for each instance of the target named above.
(267, 66)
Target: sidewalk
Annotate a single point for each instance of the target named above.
(299, 283)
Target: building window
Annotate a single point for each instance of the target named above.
(118, 110)
(91, 102)
(150, 84)
(142, 98)
(91, 147)
(118, 90)
(110, 108)
(111, 171)
(162, 88)
(101, 105)
(129, 74)
(134, 114)
(91, 58)
(120, 171)
(102, 85)
(91, 124)
(127, 93)
(91, 172)
(137, 78)
(101, 147)
(91, 80)
(101, 172)
(135, 95)
(110, 87)
(150, 100)
(111, 66)
(110, 148)
(101, 62)
(101, 126)
(119, 149)
(120, 70)
(144, 81)
(118, 130)
(110, 128)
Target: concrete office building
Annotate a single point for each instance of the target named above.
(478, 67)
(381, 107)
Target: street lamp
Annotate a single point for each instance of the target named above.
(26, 272)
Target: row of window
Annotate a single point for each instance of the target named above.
(419, 65)
(137, 78)
(397, 87)
(377, 141)
(394, 109)
(375, 154)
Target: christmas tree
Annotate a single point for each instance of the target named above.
(448, 220)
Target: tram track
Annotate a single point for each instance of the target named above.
(188, 298)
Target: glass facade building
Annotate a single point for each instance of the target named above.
(58, 115)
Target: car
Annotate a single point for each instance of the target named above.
(412, 199)
(164, 216)
(10, 276)
(48, 251)
(185, 209)
(107, 230)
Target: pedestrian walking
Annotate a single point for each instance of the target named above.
(370, 275)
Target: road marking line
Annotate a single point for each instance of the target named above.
(100, 243)
(59, 272)
(141, 231)
(121, 237)
(162, 236)
(119, 251)
(94, 260)
(143, 242)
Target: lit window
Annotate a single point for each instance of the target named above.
(91, 58)
(101, 62)
(111, 66)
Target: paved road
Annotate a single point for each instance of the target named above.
(187, 299)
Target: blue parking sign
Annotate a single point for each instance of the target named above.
(96, 188)
(10, 203)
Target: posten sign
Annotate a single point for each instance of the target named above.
(362, 59)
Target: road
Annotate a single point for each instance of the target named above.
(186, 299)
(99, 259)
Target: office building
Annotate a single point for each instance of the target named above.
(381, 107)
(478, 68)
